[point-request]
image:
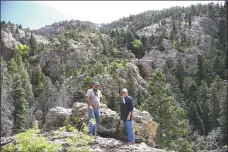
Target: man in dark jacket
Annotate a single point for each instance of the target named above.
(126, 108)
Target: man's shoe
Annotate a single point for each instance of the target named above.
(130, 143)
(90, 134)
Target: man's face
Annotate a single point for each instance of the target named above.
(124, 94)
(95, 86)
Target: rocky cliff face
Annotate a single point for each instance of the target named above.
(61, 26)
(199, 36)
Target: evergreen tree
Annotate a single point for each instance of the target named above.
(172, 120)
(223, 120)
(33, 45)
(200, 73)
(17, 31)
(203, 98)
(3, 22)
(20, 113)
(25, 79)
(189, 21)
(130, 83)
(113, 102)
(193, 105)
(217, 65)
(38, 81)
(215, 101)
(12, 66)
(180, 74)
(20, 26)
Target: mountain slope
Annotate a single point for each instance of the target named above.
(63, 59)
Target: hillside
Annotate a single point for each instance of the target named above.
(172, 61)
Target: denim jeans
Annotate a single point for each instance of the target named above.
(93, 115)
(128, 125)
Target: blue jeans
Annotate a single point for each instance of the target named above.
(128, 125)
(93, 116)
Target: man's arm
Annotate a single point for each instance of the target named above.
(130, 107)
(101, 97)
(88, 101)
(88, 98)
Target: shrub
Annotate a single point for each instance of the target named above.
(79, 140)
(31, 140)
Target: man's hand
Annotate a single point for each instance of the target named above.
(128, 117)
(90, 107)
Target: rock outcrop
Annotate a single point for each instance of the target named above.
(99, 145)
(110, 124)
(55, 118)
(8, 43)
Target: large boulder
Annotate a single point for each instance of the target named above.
(55, 118)
(109, 120)
(8, 43)
(144, 126)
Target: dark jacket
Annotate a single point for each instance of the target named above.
(125, 108)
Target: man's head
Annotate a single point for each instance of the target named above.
(96, 85)
(124, 92)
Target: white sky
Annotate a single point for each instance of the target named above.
(108, 11)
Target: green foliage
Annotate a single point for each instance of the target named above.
(79, 140)
(215, 101)
(113, 102)
(25, 79)
(23, 50)
(170, 117)
(33, 45)
(12, 66)
(136, 43)
(38, 81)
(87, 82)
(31, 140)
(180, 74)
(20, 104)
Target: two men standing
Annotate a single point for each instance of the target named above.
(93, 99)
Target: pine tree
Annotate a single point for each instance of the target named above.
(17, 31)
(113, 102)
(173, 123)
(27, 86)
(38, 81)
(130, 83)
(217, 65)
(12, 66)
(200, 73)
(193, 105)
(20, 113)
(223, 120)
(189, 21)
(215, 101)
(20, 26)
(203, 99)
(33, 45)
(180, 74)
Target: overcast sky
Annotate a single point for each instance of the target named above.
(36, 14)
